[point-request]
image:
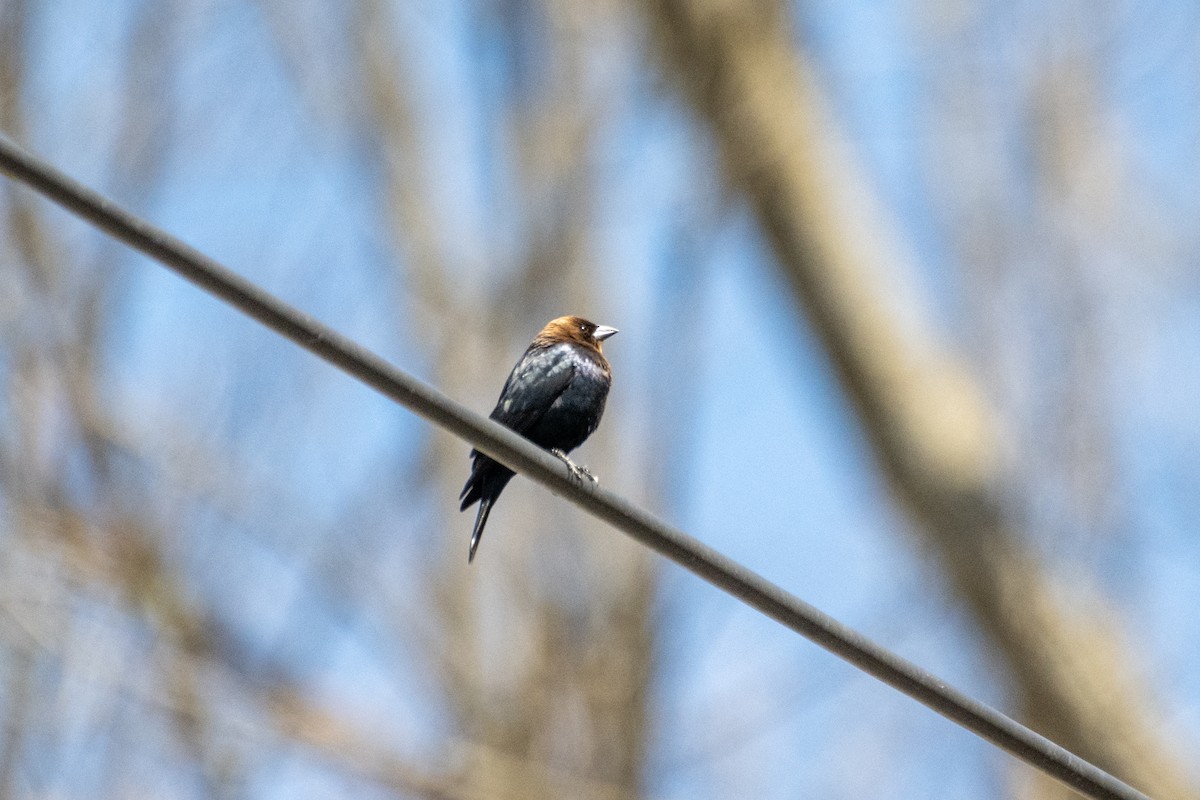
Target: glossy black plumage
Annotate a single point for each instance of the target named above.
(554, 397)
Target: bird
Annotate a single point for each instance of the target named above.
(554, 397)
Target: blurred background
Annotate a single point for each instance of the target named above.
(910, 324)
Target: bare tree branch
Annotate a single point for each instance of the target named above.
(935, 436)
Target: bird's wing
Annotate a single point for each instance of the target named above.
(534, 384)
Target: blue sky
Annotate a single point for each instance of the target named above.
(778, 474)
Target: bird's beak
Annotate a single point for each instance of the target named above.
(603, 332)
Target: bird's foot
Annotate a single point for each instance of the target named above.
(579, 472)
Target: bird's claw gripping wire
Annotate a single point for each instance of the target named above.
(579, 472)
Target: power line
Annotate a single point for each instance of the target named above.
(538, 465)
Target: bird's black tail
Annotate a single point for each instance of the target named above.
(485, 508)
(488, 479)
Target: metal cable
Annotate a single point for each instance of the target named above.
(538, 465)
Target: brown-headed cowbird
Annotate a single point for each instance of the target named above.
(554, 397)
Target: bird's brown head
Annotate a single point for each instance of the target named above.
(576, 329)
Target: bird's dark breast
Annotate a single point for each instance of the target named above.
(574, 415)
